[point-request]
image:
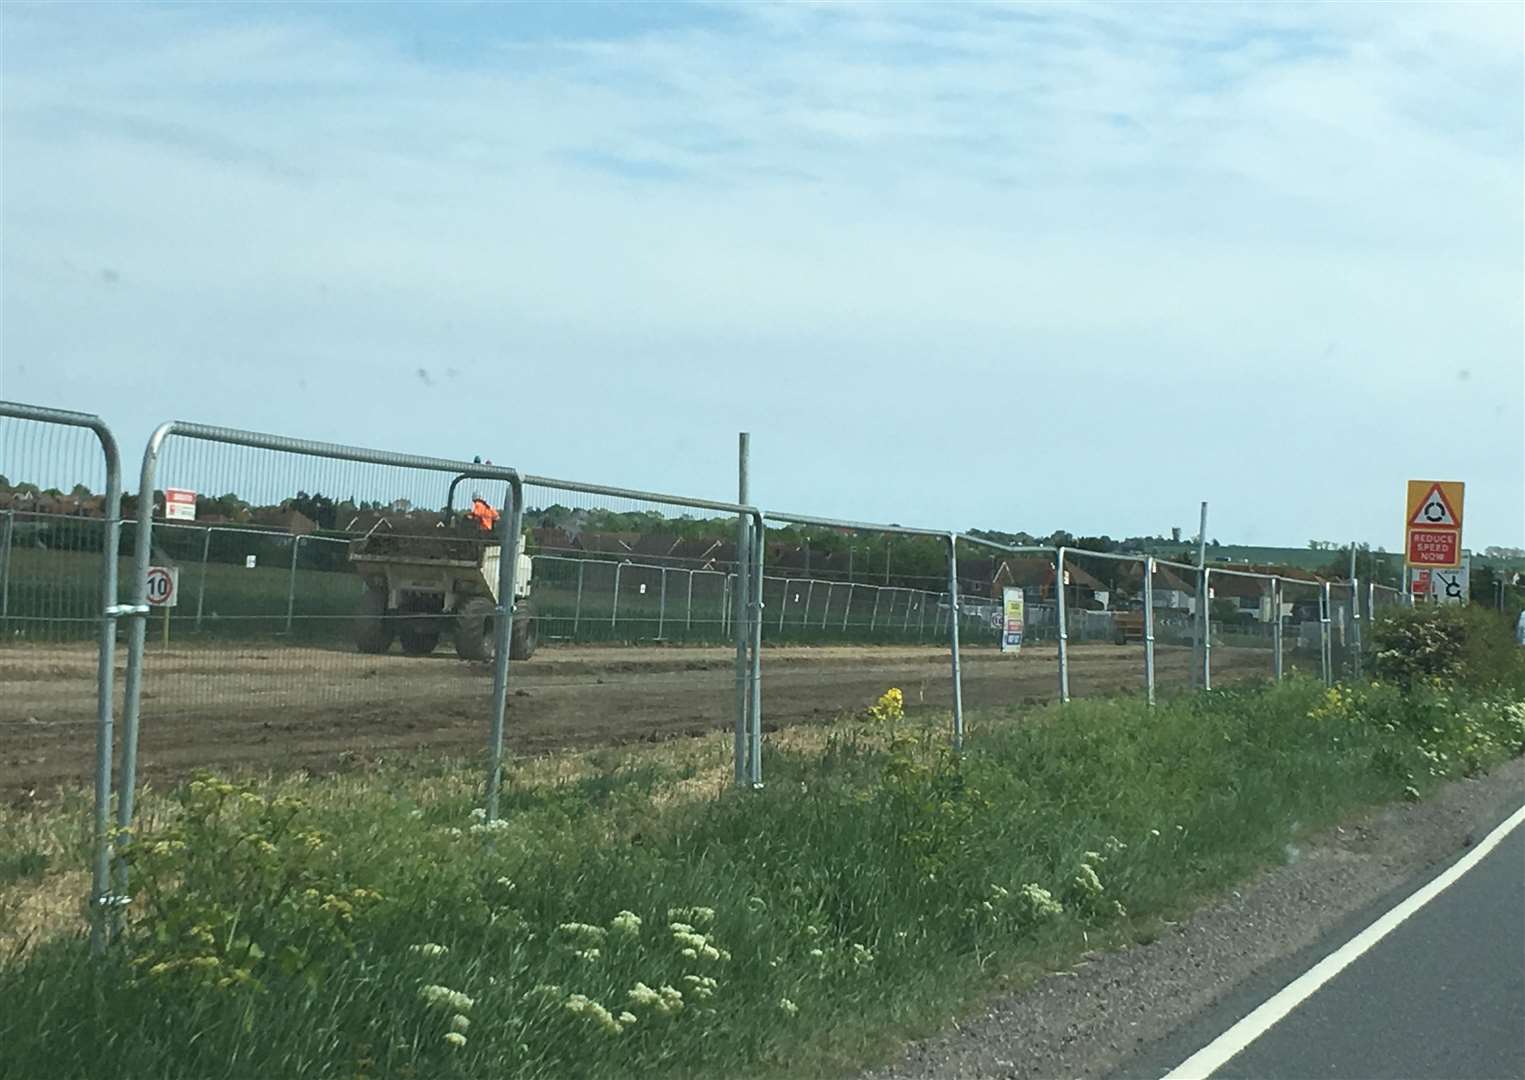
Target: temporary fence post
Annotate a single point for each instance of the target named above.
(5, 569)
(1200, 613)
(1323, 633)
(744, 542)
(921, 614)
(1062, 626)
(291, 585)
(1276, 618)
(873, 620)
(688, 608)
(783, 607)
(725, 605)
(910, 601)
(201, 591)
(1207, 629)
(1149, 629)
(825, 614)
(662, 605)
(809, 595)
(614, 604)
(848, 610)
(1355, 628)
(137, 635)
(754, 753)
(958, 685)
(577, 605)
(503, 625)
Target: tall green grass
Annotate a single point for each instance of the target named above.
(636, 916)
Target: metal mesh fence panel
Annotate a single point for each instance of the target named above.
(1302, 649)
(1242, 625)
(1104, 619)
(635, 600)
(852, 611)
(1176, 664)
(323, 610)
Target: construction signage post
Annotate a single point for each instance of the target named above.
(1432, 531)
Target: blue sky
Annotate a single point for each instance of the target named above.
(1021, 267)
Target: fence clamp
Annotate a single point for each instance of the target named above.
(117, 611)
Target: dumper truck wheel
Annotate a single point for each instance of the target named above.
(419, 637)
(373, 630)
(474, 629)
(526, 633)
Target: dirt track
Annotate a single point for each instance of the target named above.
(287, 708)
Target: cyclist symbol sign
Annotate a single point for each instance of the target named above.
(163, 586)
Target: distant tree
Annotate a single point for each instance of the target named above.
(80, 491)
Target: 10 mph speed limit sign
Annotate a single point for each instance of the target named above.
(163, 586)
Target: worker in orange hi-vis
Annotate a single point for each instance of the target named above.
(485, 515)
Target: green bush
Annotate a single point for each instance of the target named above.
(1466, 646)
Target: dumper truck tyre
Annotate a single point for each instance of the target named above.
(373, 629)
(419, 637)
(526, 633)
(475, 624)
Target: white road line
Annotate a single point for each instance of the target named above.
(1216, 1054)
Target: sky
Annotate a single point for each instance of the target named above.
(1019, 267)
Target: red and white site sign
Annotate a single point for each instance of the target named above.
(179, 504)
(1434, 547)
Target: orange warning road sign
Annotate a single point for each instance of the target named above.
(1432, 523)
(1435, 504)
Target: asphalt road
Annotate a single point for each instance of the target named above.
(1442, 995)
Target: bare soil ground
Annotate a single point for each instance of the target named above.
(277, 707)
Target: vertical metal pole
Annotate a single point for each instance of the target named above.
(1149, 629)
(1323, 633)
(1201, 612)
(1355, 615)
(105, 675)
(1207, 630)
(1276, 621)
(754, 753)
(825, 614)
(614, 604)
(873, 620)
(132, 691)
(783, 607)
(1062, 620)
(809, 595)
(577, 607)
(725, 605)
(662, 605)
(910, 601)
(744, 543)
(848, 610)
(291, 586)
(512, 536)
(958, 679)
(688, 608)
(201, 591)
(5, 568)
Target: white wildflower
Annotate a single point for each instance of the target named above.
(1038, 901)
(460, 1023)
(443, 995)
(496, 825)
(626, 924)
(788, 1007)
(455, 1039)
(478, 814)
(862, 954)
(1087, 881)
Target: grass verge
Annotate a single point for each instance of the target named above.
(634, 915)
